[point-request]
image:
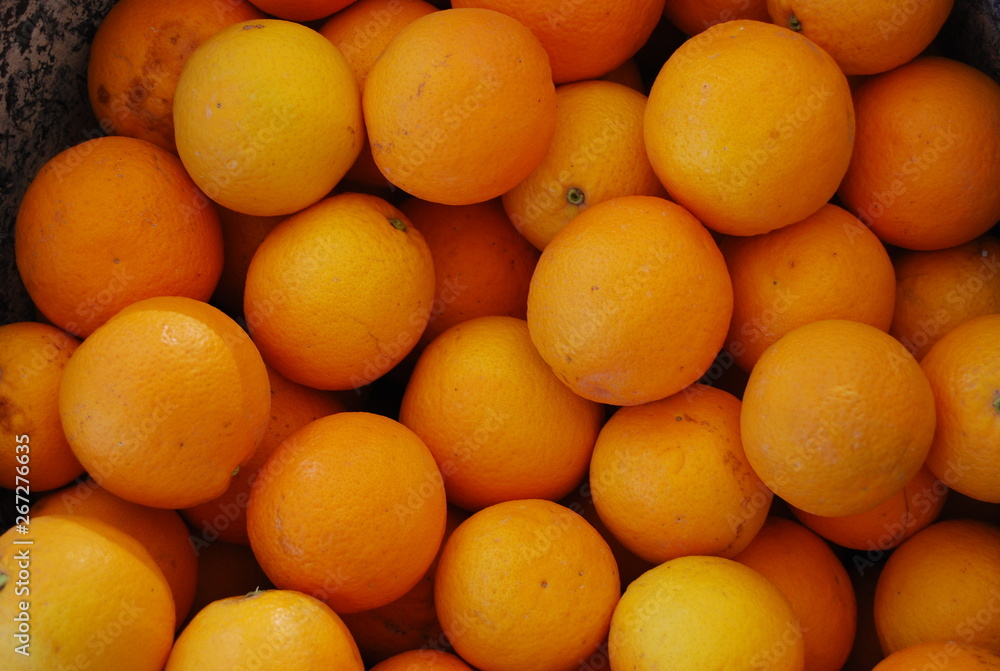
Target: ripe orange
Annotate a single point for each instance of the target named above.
(584, 40)
(631, 301)
(694, 613)
(241, 235)
(945, 655)
(110, 222)
(302, 10)
(137, 55)
(423, 660)
(939, 289)
(460, 106)
(750, 127)
(35, 454)
(670, 478)
(256, 139)
(81, 592)
(802, 273)
(162, 532)
(696, 16)
(225, 570)
(816, 584)
(266, 630)
(164, 402)
(499, 423)
(864, 37)
(526, 584)
(941, 584)
(597, 153)
(889, 523)
(339, 293)
(350, 509)
(963, 369)
(482, 266)
(292, 407)
(918, 126)
(837, 416)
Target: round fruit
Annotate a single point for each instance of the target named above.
(950, 655)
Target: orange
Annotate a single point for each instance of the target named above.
(266, 630)
(109, 222)
(180, 390)
(918, 126)
(526, 584)
(670, 478)
(460, 106)
(482, 266)
(350, 509)
(815, 583)
(82, 592)
(36, 455)
(241, 235)
(750, 127)
(695, 16)
(584, 40)
(864, 37)
(939, 289)
(302, 10)
(631, 301)
(162, 532)
(597, 153)
(941, 584)
(408, 623)
(498, 421)
(837, 416)
(339, 293)
(695, 613)
(267, 117)
(225, 570)
(422, 660)
(802, 273)
(889, 523)
(137, 55)
(944, 655)
(292, 407)
(964, 371)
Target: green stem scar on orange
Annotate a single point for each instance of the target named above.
(794, 23)
(398, 224)
(575, 196)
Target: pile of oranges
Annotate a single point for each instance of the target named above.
(510, 335)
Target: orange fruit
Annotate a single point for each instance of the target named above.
(241, 235)
(408, 623)
(499, 423)
(81, 591)
(225, 570)
(255, 139)
(302, 10)
(584, 40)
(944, 655)
(526, 584)
(350, 509)
(696, 16)
(750, 127)
(137, 55)
(180, 388)
(339, 293)
(864, 37)
(631, 301)
(670, 478)
(292, 407)
(918, 126)
(802, 273)
(109, 222)
(939, 289)
(479, 111)
(941, 584)
(889, 523)
(266, 630)
(162, 532)
(815, 583)
(36, 455)
(482, 266)
(705, 612)
(963, 369)
(597, 153)
(837, 416)
(422, 660)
